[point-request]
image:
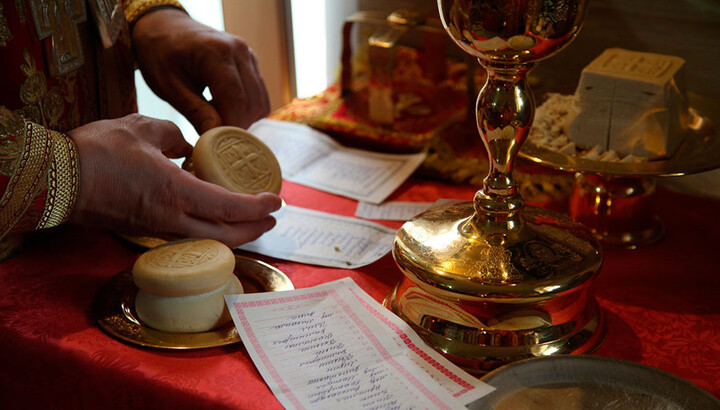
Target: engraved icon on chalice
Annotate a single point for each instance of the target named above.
(491, 281)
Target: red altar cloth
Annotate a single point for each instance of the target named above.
(661, 302)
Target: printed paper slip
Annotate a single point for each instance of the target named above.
(333, 346)
(391, 211)
(312, 158)
(398, 210)
(319, 238)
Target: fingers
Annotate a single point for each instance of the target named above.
(231, 94)
(180, 149)
(258, 101)
(240, 208)
(191, 104)
(179, 57)
(163, 134)
(239, 94)
(211, 202)
(232, 234)
(215, 213)
(265, 100)
(172, 143)
(238, 89)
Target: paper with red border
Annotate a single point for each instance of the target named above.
(333, 346)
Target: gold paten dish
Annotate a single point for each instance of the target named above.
(590, 383)
(699, 152)
(114, 309)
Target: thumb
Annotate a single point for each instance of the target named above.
(163, 135)
(170, 140)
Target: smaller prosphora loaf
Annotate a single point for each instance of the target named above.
(183, 285)
(237, 160)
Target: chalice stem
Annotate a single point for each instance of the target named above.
(492, 281)
(505, 110)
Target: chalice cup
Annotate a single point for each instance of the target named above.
(492, 280)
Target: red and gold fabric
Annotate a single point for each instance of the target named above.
(55, 75)
(41, 185)
(134, 9)
(662, 310)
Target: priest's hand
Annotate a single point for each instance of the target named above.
(128, 185)
(179, 57)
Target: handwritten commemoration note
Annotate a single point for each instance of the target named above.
(319, 238)
(398, 210)
(391, 211)
(334, 347)
(311, 158)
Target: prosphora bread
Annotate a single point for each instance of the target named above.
(182, 285)
(182, 268)
(632, 103)
(237, 160)
(187, 314)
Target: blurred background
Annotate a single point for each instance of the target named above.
(299, 43)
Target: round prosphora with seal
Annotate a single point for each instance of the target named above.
(182, 285)
(237, 160)
(184, 267)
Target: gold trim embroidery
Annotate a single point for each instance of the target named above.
(41, 105)
(29, 172)
(5, 34)
(136, 8)
(62, 182)
(11, 125)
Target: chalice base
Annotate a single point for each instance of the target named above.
(485, 292)
(479, 359)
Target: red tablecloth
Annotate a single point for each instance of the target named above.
(662, 304)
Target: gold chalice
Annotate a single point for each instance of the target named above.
(491, 281)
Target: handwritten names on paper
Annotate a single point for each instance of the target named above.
(319, 238)
(339, 375)
(391, 211)
(333, 345)
(311, 158)
(398, 210)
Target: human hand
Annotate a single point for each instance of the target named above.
(128, 185)
(179, 57)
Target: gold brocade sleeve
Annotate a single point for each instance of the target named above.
(136, 8)
(39, 171)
